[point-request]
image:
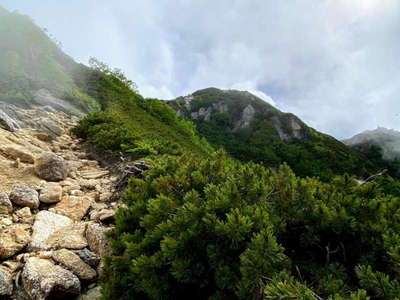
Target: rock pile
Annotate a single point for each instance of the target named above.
(54, 210)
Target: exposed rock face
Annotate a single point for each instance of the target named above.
(246, 118)
(51, 167)
(13, 239)
(296, 129)
(41, 278)
(5, 204)
(204, 113)
(44, 119)
(19, 153)
(73, 207)
(46, 223)
(241, 109)
(51, 193)
(6, 122)
(72, 262)
(25, 196)
(6, 282)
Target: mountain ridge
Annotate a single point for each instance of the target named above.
(33, 68)
(251, 129)
(381, 145)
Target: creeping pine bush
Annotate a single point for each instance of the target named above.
(214, 228)
(105, 130)
(190, 229)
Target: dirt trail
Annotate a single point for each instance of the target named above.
(51, 232)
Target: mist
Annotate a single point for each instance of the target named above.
(333, 63)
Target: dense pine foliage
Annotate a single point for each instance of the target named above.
(218, 229)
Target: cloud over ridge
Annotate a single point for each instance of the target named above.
(332, 62)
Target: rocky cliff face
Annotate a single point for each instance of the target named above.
(240, 109)
(250, 129)
(55, 206)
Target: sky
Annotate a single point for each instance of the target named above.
(334, 63)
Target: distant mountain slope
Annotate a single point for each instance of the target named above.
(386, 139)
(34, 70)
(381, 145)
(252, 130)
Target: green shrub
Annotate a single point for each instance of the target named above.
(106, 131)
(214, 228)
(191, 231)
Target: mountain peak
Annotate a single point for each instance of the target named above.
(385, 130)
(373, 135)
(384, 139)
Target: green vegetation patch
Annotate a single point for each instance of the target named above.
(215, 228)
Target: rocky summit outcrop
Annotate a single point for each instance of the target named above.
(237, 111)
(55, 207)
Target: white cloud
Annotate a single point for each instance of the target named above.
(333, 62)
(251, 87)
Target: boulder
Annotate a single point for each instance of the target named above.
(43, 279)
(19, 153)
(6, 282)
(70, 237)
(73, 207)
(13, 239)
(25, 196)
(51, 167)
(51, 193)
(46, 223)
(74, 263)
(5, 204)
(88, 257)
(98, 243)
